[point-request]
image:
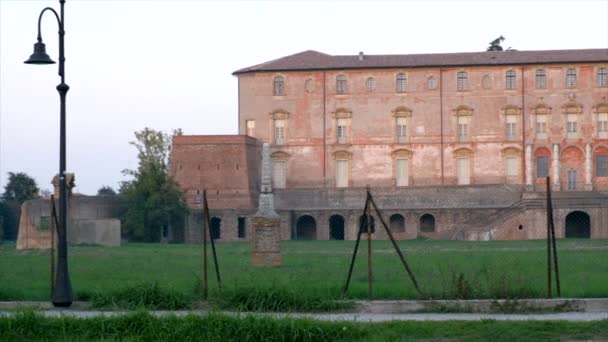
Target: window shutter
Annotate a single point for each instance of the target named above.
(279, 174)
(463, 171)
(401, 171)
(511, 166)
(341, 173)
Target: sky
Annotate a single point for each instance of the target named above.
(169, 64)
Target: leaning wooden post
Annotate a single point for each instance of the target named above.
(369, 250)
(549, 218)
(208, 222)
(352, 261)
(554, 244)
(197, 201)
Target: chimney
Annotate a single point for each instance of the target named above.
(360, 55)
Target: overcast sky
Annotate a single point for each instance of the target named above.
(168, 64)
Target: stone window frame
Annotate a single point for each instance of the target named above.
(511, 152)
(541, 109)
(247, 121)
(408, 155)
(464, 153)
(283, 157)
(571, 77)
(510, 80)
(511, 111)
(347, 156)
(370, 84)
(600, 109)
(572, 108)
(406, 113)
(341, 84)
(463, 111)
(401, 82)
(462, 80)
(540, 78)
(346, 115)
(276, 115)
(278, 85)
(601, 77)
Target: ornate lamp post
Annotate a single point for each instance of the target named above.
(62, 294)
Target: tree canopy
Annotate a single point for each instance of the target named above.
(106, 191)
(153, 199)
(20, 188)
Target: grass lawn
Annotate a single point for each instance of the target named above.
(144, 327)
(444, 269)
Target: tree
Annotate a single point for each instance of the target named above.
(20, 188)
(153, 198)
(106, 191)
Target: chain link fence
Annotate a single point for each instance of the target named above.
(464, 242)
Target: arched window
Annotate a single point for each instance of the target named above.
(510, 79)
(462, 81)
(341, 84)
(571, 78)
(427, 223)
(279, 86)
(306, 228)
(602, 77)
(370, 84)
(541, 79)
(401, 83)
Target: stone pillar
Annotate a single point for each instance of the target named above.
(588, 156)
(266, 223)
(556, 184)
(528, 155)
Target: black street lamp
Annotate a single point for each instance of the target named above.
(62, 293)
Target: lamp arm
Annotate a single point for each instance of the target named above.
(40, 20)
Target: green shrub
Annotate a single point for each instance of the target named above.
(145, 295)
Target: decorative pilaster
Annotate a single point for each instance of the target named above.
(588, 155)
(556, 184)
(528, 156)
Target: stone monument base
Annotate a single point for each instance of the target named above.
(266, 241)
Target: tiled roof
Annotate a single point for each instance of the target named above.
(313, 60)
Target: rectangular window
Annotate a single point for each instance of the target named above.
(462, 81)
(279, 174)
(242, 232)
(401, 129)
(279, 132)
(602, 125)
(571, 125)
(542, 167)
(571, 179)
(463, 171)
(571, 78)
(401, 172)
(250, 127)
(601, 166)
(511, 166)
(341, 173)
(463, 128)
(541, 126)
(341, 131)
(541, 79)
(511, 127)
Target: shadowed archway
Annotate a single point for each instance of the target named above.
(306, 228)
(336, 227)
(578, 225)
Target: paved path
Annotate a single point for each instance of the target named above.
(566, 316)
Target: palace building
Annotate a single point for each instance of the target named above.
(453, 145)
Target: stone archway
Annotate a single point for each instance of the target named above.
(397, 223)
(427, 223)
(578, 225)
(216, 228)
(306, 228)
(336, 227)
